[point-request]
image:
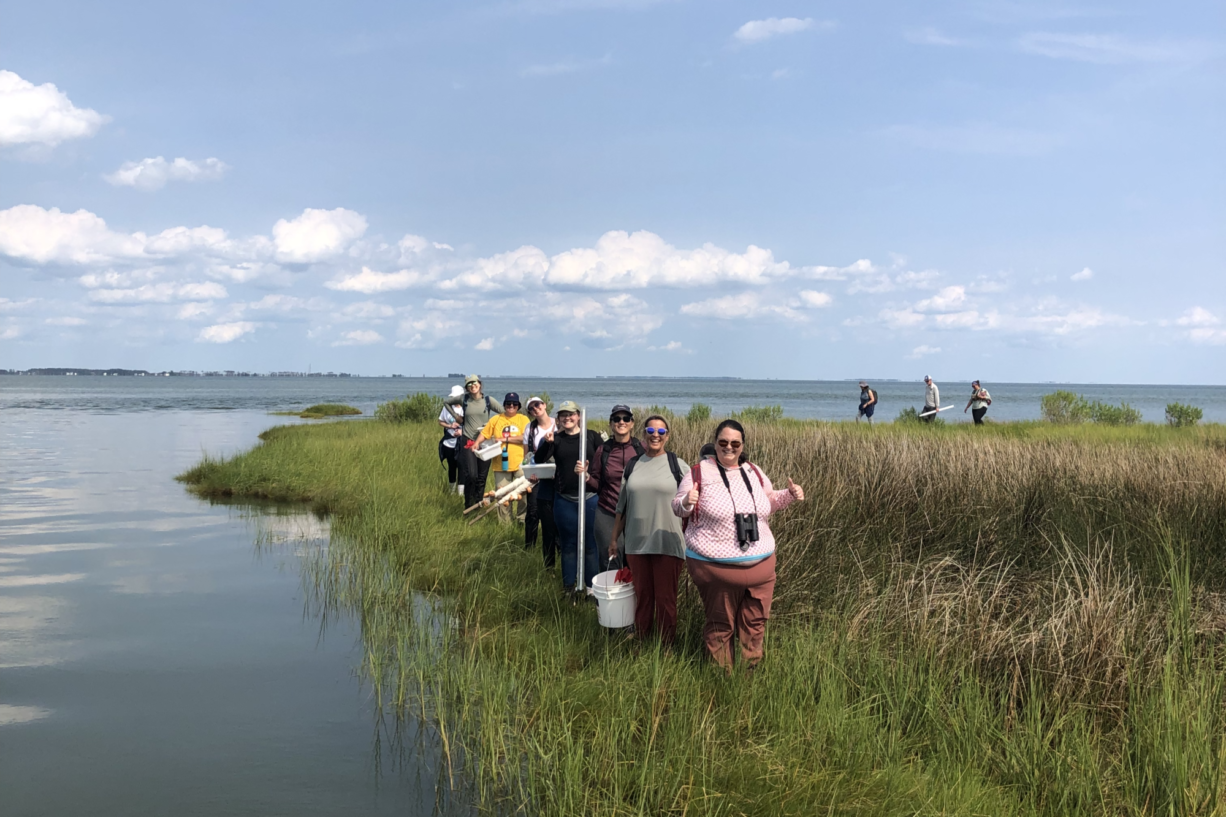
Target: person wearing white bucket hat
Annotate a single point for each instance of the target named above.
(450, 418)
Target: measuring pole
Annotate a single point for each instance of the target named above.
(579, 586)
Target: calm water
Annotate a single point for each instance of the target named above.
(153, 660)
(827, 400)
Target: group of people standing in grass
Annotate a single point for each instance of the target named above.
(645, 509)
(977, 405)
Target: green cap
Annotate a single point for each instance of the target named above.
(569, 405)
(472, 378)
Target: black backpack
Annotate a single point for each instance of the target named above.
(673, 465)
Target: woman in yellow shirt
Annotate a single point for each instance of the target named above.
(508, 428)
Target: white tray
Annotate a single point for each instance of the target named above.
(489, 450)
(543, 470)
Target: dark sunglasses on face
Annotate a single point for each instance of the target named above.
(654, 431)
(511, 405)
(622, 418)
(735, 445)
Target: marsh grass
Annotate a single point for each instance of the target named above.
(320, 411)
(1016, 619)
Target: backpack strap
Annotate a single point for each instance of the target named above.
(638, 446)
(674, 466)
(630, 467)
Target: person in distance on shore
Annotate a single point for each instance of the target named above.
(508, 428)
(449, 418)
(562, 445)
(868, 403)
(729, 548)
(932, 399)
(540, 501)
(979, 402)
(607, 467)
(650, 533)
(479, 409)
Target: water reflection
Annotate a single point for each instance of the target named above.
(149, 656)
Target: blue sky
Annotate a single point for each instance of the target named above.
(1016, 192)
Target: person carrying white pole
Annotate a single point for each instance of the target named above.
(572, 485)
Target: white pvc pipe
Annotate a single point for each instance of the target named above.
(579, 587)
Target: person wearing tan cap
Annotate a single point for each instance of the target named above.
(479, 409)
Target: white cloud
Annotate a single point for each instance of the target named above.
(517, 269)
(369, 281)
(780, 73)
(1198, 316)
(485, 345)
(191, 311)
(1085, 275)
(1109, 49)
(30, 233)
(160, 293)
(367, 310)
(359, 337)
(153, 174)
(1202, 326)
(226, 332)
(9, 333)
(743, 306)
(622, 260)
(426, 332)
(921, 351)
(41, 115)
(948, 299)
(813, 299)
(65, 321)
(756, 31)
(317, 235)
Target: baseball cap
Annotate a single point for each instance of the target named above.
(569, 405)
(621, 409)
(926, 377)
(472, 378)
(533, 399)
(511, 397)
(863, 384)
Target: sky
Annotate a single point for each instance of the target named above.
(1006, 191)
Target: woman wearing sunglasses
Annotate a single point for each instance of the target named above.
(654, 541)
(729, 548)
(562, 444)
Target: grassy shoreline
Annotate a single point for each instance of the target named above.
(1012, 620)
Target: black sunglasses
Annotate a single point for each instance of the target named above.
(622, 418)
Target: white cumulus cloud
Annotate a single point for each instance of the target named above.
(41, 115)
(485, 345)
(813, 299)
(153, 174)
(921, 351)
(756, 31)
(949, 298)
(30, 233)
(225, 332)
(369, 281)
(1202, 326)
(1085, 275)
(160, 293)
(317, 235)
(742, 306)
(359, 337)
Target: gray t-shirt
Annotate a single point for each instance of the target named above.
(647, 503)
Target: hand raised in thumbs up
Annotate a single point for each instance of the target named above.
(795, 490)
(691, 499)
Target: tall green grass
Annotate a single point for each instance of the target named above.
(1006, 620)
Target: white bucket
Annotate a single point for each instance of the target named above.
(614, 602)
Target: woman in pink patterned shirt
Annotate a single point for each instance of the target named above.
(729, 549)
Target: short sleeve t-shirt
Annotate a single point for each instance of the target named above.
(646, 503)
(514, 451)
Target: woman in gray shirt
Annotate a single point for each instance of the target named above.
(655, 545)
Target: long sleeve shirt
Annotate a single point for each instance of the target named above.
(565, 453)
(932, 395)
(711, 533)
(610, 484)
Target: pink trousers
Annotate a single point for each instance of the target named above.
(736, 599)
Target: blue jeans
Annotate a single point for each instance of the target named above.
(566, 515)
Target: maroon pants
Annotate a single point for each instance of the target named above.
(655, 593)
(736, 599)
